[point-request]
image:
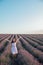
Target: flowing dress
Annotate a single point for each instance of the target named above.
(14, 48)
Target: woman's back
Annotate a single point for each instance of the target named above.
(14, 44)
(14, 48)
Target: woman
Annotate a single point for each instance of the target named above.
(14, 51)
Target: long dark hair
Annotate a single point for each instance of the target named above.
(14, 40)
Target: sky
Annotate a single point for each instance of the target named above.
(21, 16)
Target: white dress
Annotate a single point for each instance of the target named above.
(14, 49)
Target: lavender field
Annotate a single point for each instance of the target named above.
(30, 49)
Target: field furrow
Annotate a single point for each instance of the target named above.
(34, 44)
(24, 57)
(35, 52)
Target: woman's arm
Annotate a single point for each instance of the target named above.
(8, 40)
(18, 39)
